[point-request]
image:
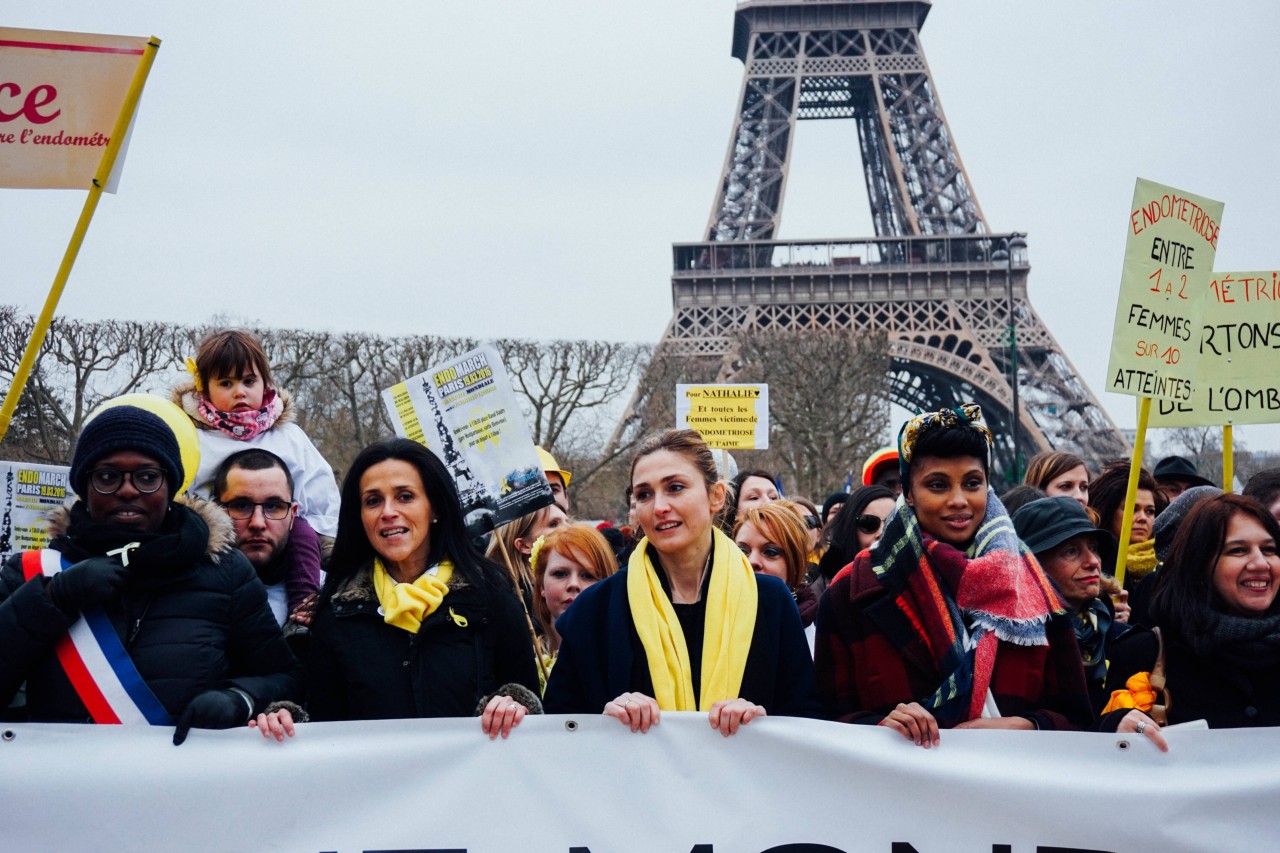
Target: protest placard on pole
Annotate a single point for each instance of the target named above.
(27, 492)
(1236, 380)
(1168, 257)
(466, 413)
(731, 417)
(61, 95)
(58, 93)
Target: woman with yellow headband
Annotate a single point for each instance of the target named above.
(687, 625)
(947, 621)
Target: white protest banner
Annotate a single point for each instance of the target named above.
(587, 785)
(1168, 256)
(1236, 381)
(60, 96)
(27, 492)
(730, 417)
(464, 410)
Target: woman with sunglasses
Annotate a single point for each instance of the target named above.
(157, 583)
(855, 527)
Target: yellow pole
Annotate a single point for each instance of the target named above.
(1135, 468)
(1228, 460)
(77, 237)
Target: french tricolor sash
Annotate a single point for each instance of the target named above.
(95, 660)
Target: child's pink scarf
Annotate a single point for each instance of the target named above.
(243, 426)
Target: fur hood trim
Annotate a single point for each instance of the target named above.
(183, 395)
(222, 533)
(359, 587)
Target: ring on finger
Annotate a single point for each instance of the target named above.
(1142, 725)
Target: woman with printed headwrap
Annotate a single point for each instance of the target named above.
(947, 621)
(687, 625)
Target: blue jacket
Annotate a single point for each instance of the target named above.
(601, 657)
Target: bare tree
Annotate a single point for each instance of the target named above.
(827, 401)
(80, 365)
(1203, 446)
(563, 382)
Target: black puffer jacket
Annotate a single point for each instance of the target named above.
(474, 644)
(199, 623)
(1225, 693)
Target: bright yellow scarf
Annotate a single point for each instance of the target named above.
(405, 605)
(1141, 560)
(730, 622)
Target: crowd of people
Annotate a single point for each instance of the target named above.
(211, 574)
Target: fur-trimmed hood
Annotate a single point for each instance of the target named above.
(185, 397)
(222, 533)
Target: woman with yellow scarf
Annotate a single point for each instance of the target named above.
(687, 625)
(413, 621)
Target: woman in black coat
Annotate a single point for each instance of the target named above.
(412, 621)
(1217, 616)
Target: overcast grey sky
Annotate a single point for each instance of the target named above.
(522, 168)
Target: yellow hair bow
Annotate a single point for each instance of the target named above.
(534, 553)
(190, 365)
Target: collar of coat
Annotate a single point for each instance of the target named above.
(359, 587)
(222, 533)
(184, 396)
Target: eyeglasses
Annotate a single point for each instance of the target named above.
(242, 509)
(870, 523)
(107, 481)
(811, 521)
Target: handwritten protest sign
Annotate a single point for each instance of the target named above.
(60, 96)
(1173, 238)
(465, 412)
(1236, 381)
(27, 492)
(732, 417)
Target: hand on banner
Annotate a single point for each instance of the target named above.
(914, 723)
(501, 715)
(212, 709)
(1121, 602)
(89, 582)
(635, 710)
(728, 714)
(277, 724)
(1139, 723)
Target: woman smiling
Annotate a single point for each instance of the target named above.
(412, 621)
(1215, 653)
(937, 626)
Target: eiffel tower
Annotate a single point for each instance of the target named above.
(933, 279)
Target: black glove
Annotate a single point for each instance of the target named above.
(212, 709)
(89, 582)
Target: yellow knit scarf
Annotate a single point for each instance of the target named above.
(405, 605)
(1141, 559)
(730, 623)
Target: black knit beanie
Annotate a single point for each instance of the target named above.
(126, 428)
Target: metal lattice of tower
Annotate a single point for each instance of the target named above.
(933, 279)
